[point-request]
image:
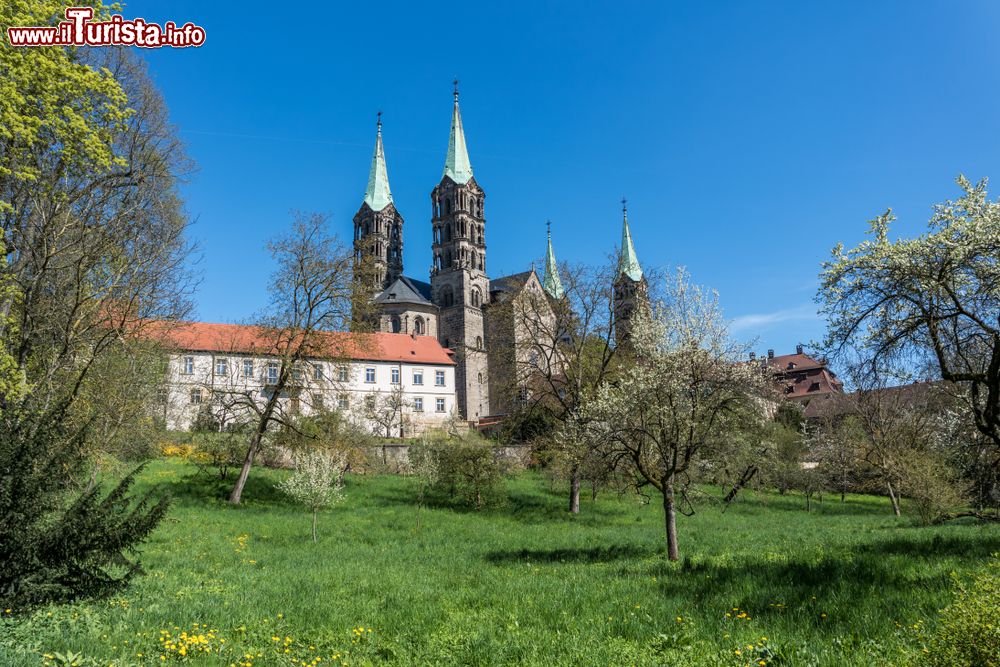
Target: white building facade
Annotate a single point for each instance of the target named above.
(396, 385)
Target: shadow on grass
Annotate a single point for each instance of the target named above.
(570, 555)
(198, 487)
(896, 578)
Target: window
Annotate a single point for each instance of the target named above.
(418, 326)
(343, 402)
(342, 374)
(480, 378)
(395, 376)
(297, 374)
(440, 405)
(188, 366)
(318, 403)
(221, 367)
(397, 326)
(370, 402)
(439, 378)
(196, 397)
(418, 376)
(476, 295)
(479, 342)
(418, 404)
(248, 368)
(272, 371)
(370, 375)
(317, 372)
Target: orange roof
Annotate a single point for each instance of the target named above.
(245, 339)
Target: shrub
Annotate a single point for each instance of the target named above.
(465, 466)
(56, 545)
(968, 634)
(318, 481)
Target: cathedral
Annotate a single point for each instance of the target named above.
(454, 306)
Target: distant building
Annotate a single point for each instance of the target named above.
(459, 304)
(211, 364)
(802, 378)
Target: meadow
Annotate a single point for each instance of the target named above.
(764, 583)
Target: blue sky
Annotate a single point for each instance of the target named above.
(748, 137)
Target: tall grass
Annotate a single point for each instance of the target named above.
(845, 584)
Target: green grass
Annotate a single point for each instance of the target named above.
(523, 584)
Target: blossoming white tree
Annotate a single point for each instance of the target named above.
(318, 481)
(688, 390)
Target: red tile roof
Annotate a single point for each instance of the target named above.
(244, 339)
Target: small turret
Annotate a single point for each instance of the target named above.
(551, 282)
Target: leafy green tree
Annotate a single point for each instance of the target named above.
(93, 248)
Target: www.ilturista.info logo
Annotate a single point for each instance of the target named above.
(79, 30)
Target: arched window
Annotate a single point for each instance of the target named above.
(447, 206)
(447, 232)
(447, 296)
(447, 259)
(397, 326)
(476, 296)
(480, 378)
(418, 326)
(479, 342)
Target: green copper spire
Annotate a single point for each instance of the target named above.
(378, 195)
(551, 283)
(456, 165)
(628, 263)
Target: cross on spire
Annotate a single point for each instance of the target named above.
(624, 205)
(455, 83)
(548, 227)
(379, 117)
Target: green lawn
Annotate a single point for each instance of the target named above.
(525, 584)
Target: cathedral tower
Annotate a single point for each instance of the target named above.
(631, 291)
(459, 284)
(378, 226)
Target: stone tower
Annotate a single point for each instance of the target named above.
(631, 291)
(459, 284)
(378, 226)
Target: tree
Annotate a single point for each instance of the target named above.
(94, 248)
(932, 299)
(384, 411)
(688, 390)
(560, 350)
(312, 293)
(318, 481)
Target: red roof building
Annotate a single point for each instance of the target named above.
(802, 377)
(246, 339)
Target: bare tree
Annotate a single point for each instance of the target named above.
(558, 352)
(312, 292)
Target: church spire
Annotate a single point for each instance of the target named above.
(628, 263)
(551, 283)
(456, 165)
(378, 195)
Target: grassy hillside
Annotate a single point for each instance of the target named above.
(845, 584)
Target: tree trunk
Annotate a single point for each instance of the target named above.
(593, 491)
(314, 525)
(241, 481)
(740, 483)
(894, 499)
(574, 491)
(670, 518)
